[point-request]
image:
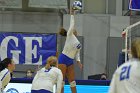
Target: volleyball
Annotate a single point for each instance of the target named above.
(77, 5)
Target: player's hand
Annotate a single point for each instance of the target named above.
(80, 65)
(72, 11)
(124, 34)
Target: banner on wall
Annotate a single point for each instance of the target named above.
(134, 5)
(27, 48)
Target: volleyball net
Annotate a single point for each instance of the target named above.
(129, 34)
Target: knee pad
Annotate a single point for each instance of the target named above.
(72, 84)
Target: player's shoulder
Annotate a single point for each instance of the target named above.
(132, 62)
(5, 70)
(42, 69)
(56, 69)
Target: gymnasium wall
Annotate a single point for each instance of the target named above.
(28, 22)
(94, 30)
(37, 22)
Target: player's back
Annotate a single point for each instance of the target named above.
(72, 45)
(127, 77)
(45, 79)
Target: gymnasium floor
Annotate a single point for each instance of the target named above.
(22, 85)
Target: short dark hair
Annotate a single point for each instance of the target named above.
(4, 64)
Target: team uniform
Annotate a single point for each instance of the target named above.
(71, 48)
(5, 78)
(45, 79)
(126, 79)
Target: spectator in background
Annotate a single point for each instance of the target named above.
(103, 76)
(29, 73)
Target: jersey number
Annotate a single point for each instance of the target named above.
(125, 73)
(47, 70)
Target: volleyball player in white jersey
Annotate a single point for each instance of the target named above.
(6, 68)
(47, 77)
(126, 78)
(70, 51)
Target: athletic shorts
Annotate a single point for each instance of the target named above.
(40, 91)
(63, 59)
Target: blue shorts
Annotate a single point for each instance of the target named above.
(40, 91)
(63, 59)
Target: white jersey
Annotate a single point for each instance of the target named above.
(72, 45)
(4, 78)
(126, 79)
(47, 78)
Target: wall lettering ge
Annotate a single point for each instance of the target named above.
(27, 48)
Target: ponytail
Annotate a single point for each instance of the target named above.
(1, 66)
(62, 32)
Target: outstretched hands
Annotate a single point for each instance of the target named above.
(72, 11)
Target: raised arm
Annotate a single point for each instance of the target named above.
(72, 23)
(77, 57)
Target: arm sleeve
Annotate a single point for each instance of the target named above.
(77, 57)
(59, 82)
(113, 85)
(71, 28)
